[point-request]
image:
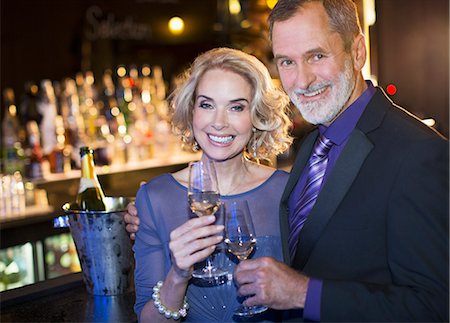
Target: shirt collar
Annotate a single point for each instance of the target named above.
(340, 129)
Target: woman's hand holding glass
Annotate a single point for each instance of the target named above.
(192, 242)
(204, 200)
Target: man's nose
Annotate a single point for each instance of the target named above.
(304, 76)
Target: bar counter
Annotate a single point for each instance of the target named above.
(64, 299)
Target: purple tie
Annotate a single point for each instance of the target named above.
(317, 165)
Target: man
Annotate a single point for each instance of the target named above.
(374, 246)
(370, 241)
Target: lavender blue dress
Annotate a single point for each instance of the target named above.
(162, 207)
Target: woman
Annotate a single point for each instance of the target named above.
(226, 105)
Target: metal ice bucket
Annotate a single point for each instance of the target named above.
(103, 246)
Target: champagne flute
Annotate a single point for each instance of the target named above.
(240, 239)
(204, 199)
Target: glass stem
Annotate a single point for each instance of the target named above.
(209, 264)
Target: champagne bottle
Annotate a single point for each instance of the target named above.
(90, 194)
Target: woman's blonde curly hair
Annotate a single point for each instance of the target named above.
(269, 106)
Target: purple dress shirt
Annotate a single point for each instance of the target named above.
(339, 132)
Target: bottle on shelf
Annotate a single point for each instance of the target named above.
(33, 153)
(73, 120)
(13, 136)
(160, 85)
(59, 157)
(147, 123)
(106, 123)
(29, 104)
(135, 117)
(164, 140)
(119, 108)
(107, 94)
(88, 108)
(90, 195)
(47, 108)
(17, 194)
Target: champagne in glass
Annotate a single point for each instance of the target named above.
(204, 199)
(204, 203)
(241, 248)
(240, 239)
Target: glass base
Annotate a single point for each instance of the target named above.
(210, 274)
(210, 282)
(210, 271)
(249, 310)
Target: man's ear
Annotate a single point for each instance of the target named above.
(359, 52)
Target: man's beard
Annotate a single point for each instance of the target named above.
(327, 108)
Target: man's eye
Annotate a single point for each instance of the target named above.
(285, 63)
(318, 57)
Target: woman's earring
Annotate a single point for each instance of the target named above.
(254, 145)
(195, 146)
(254, 149)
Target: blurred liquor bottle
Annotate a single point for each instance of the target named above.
(124, 92)
(47, 108)
(18, 199)
(160, 85)
(29, 104)
(106, 124)
(119, 126)
(62, 135)
(148, 117)
(112, 127)
(33, 152)
(88, 98)
(107, 97)
(135, 117)
(13, 136)
(73, 120)
(53, 135)
(164, 139)
(59, 157)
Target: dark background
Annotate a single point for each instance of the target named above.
(411, 49)
(55, 39)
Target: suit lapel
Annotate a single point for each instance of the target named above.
(334, 189)
(300, 163)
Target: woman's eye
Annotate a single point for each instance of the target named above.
(237, 108)
(205, 105)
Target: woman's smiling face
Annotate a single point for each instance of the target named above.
(221, 117)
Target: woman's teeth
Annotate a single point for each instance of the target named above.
(222, 140)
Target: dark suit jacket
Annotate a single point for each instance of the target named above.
(378, 234)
